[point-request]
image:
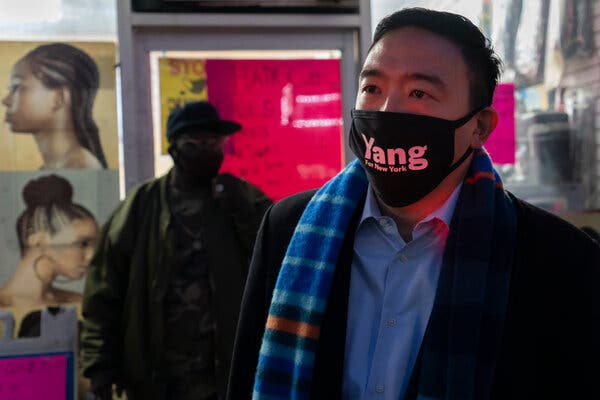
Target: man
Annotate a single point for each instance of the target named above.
(163, 290)
(413, 274)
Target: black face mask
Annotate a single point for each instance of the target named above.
(196, 162)
(405, 156)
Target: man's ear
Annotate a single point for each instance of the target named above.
(487, 119)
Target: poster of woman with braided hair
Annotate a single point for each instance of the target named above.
(62, 96)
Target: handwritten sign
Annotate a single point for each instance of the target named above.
(290, 111)
(34, 377)
(181, 81)
(501, 143)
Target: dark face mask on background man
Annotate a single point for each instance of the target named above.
(197, 158)
(406, 156)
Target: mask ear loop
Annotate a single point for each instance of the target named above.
(460, 160)
(457, 124)
(461, 121)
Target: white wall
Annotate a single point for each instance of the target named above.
(40, 20)
(469, 8)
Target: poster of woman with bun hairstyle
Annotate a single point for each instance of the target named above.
(56, 240)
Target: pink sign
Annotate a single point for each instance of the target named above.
(29, 378)
(291, 115)
(501, 143)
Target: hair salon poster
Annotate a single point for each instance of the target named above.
(290, 111)
(59, 177)
(59, 106)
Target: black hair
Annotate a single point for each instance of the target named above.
(62, 65)
(482, 62)
(50, 208)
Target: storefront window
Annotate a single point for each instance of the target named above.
(288, 103)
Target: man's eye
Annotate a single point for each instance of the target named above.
(187, 145)
(419, 94)
(370, 89)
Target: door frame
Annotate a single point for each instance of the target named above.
(140, 34)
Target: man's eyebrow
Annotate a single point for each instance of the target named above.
(433, 79)
(370, 73)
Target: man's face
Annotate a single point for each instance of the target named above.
(204, 140)
(412, 70)
(198, 153)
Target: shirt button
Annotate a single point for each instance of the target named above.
(403, 258)
(379, 388)
(391, 322)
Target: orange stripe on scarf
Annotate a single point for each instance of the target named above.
(299, 328)
(483, 175)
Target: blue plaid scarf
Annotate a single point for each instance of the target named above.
(469, 307)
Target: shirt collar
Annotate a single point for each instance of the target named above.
(444, 212)
(371, 208)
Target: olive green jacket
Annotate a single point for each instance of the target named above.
(128, 278)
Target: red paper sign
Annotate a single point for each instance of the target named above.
(290, 111)
(41, 377)
(501, 143)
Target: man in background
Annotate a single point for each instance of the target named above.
(163, 290)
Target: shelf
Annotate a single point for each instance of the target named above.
(141, 20)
